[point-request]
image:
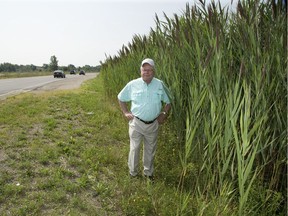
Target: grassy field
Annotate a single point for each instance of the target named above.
(65, 153)
(5, 75)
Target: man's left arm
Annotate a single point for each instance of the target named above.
(166, 99)
(163, 115)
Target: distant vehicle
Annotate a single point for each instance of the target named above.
(82, 72)
(72, 72)
(59, 73)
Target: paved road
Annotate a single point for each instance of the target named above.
(16, 86)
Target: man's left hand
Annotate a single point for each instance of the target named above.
(161, 118)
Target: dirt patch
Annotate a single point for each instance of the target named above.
(3, 155)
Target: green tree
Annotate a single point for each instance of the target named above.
(53, 63)
(45, 66)
(33, 67)
(7, 67)
(71, 67)
(87, 68)
(64, 68)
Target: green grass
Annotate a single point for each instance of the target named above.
(65, 153)
(5, 75)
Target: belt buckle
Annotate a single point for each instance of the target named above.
(146, 122)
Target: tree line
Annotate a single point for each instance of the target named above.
(53, 65)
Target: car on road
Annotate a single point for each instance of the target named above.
(72, 72)
(59, 73)
(82, 72)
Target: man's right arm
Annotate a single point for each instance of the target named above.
(126, 112)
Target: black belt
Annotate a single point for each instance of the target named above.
(146, 122)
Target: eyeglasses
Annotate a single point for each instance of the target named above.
(147, 70)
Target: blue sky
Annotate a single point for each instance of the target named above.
(79, 32)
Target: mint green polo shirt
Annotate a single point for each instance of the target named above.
(146, 100)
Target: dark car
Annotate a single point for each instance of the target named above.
(72, 72)
(82, 72)
(59, 73)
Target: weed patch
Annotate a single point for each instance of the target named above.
(65, 153)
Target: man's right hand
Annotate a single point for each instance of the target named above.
(129, 116)
(125, 111)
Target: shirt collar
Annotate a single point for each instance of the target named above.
(145, 82)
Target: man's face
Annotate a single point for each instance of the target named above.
(147, 73)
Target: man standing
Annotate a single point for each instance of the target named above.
(146, 95)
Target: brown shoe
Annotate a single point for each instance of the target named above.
(150, 178)
(133, 177)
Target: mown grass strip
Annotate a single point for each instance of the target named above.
(65, 153)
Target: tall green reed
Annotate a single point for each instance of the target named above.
(226, 73)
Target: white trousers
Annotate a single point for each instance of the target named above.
(139, 131)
